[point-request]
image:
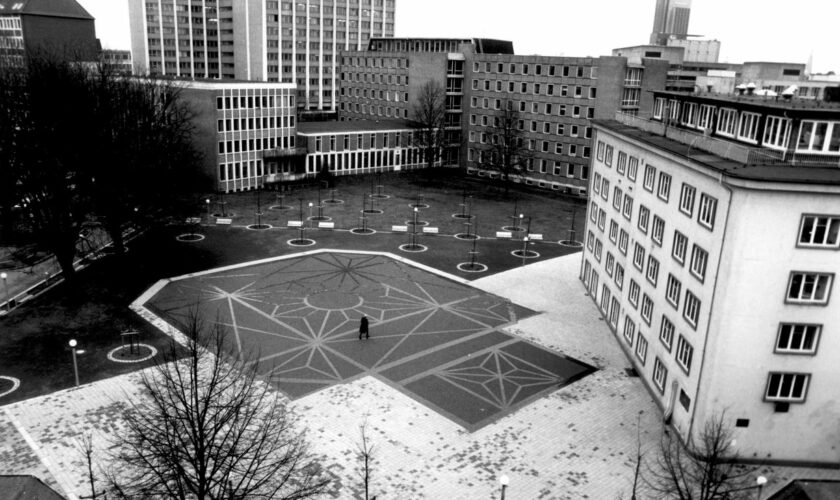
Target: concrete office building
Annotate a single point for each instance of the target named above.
(670, 19)
(118, 61)
(60, 29)
(554, 96)
(718, 313)
(696, 50)
(289, 41)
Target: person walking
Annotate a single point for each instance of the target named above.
(363, 328)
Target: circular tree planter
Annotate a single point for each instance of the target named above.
(319, 218)
(297, 242)
(8, 385)
(463, 216)
(571, 243)
(358, 230)
(527, 254)
(416, 248)
(189, 237)
(418, 205)
(333, 202)
(513, 229)
(259, 227)
(471, 267)
(123, 354)
(372, 211)
(279, 207)
(224, 216)
(380, 196)
(419, 223)
(465, 236)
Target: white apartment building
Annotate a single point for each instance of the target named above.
(712, 246)
(290, 41)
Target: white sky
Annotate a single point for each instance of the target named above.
(749, 30)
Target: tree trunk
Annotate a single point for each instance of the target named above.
(114, 229)
(65, 257)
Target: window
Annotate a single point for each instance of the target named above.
(596, 183)
(658, 230)
(666, 332)
(680, 246)
(632, 168)
(727, 121)
(628, 207)
(664, 191)
(706, 212)
(608, 156)
(605, 188)
(590, 241)
(660, 375)
(672, 291)
(748, 127)
(684, 354)
(605, 298)
(652, 270)
(629, 330)
(633, 295)
(613, 231)
(610, 265)
(619, 276)
(641, 348)
(699, 260)
(650, 177)
(647, 308)
(602, 219)
(809, 288)
(794, 338)
(687, 200)
(691, 309)
(599, 152)
(777, 132)
(639, 257)
(787, 387)
(621, 165)
(819, 137)
(617, 194)
(598, 248)
(615, 311)
(819, 231)
(704, 119)
(623, 239)
(644, 218)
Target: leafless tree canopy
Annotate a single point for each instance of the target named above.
(702, 470)
(211, 429)
(428, 122)
(505, 150)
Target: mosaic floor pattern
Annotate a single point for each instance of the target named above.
(436, 339)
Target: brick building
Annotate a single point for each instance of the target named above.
(60, 29)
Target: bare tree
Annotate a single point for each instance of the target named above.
(505, 149)
(429, 122)
(365, 451)
(703, 469)
(208, 427)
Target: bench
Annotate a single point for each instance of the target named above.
(399, 229)
(193, 220)
(326, 225)
(503, 234)
(535, 237)
(430, 230)
(224, 222)
(295, 223)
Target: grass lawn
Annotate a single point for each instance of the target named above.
(94, 310)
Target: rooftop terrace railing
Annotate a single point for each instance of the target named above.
(702, 144)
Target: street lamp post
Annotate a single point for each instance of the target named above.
(504, 481)
(73, 344)
(207, 202)
(414, 230)
(310, 214)
(760, 481)
(4, 277)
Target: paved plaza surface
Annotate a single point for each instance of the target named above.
(572, 442)
(435, 338)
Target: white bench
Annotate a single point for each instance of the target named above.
(503, 234)
(535, 237)
(430, 230)
(224, 222)
(295, 223)
(326, 225)
(193, 220)
(399, 229)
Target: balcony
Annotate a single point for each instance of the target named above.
(284, 152)
(705, 144)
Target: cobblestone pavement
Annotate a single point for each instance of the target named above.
(577, 442)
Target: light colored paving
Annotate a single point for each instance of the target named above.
(575, 443)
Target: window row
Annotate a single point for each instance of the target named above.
(255, 102)
(258, 123)
(535, 69)
(244, 145)
(577, 91)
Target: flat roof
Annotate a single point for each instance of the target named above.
(338, 127)
(783, 173)
(775, 102)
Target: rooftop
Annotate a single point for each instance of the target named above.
(54, 8)
(772, 102)
(804, 489)
(729, 159)
(356, 126)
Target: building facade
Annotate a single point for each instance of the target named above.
(245, 131)
(289, 41)
(670, 19)
(118, 61)
(718, 314)
(59, 29)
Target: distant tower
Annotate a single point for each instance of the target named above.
(670, 18)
